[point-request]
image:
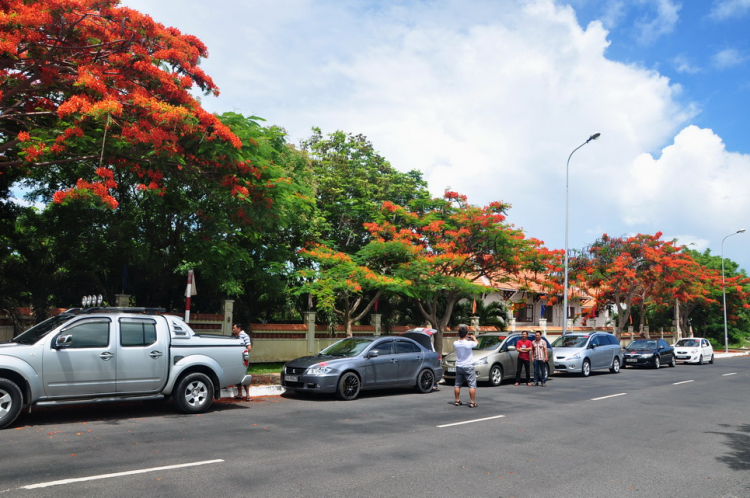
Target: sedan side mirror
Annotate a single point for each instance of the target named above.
(63, 341)
(511, 348)
(373, 354)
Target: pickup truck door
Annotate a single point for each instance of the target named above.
(86, 364)
(143, 355)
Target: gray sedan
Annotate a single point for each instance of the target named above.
(361, 363)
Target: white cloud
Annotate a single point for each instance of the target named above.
(683, 64)
(662, 23)
(695, 187)
(728, 58)
(725, 9)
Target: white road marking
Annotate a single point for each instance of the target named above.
(472, 421)
(733, 373)
(117, 474)
(683, 382)
(610, 396)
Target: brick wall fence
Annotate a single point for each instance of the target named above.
(283, 342)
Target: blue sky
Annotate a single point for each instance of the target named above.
(490, 97)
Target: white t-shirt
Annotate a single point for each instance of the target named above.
(463, 352)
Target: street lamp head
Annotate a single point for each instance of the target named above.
(594, 137)
(740, 230)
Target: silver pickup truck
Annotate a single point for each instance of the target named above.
(116, 354)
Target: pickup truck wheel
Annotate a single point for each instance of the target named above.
(194, 393)
(11, 400)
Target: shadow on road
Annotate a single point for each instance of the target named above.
(738, 441)
(112, 413)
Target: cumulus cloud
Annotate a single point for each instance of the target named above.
(695, 187)
(727, 58)
(726, 9)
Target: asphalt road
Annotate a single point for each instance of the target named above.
(672, 432)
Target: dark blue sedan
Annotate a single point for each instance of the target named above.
(354, 364)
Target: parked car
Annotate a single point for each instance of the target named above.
(649, 353)
(582, 353)
(354, 364)
(694, 350)
(495, 358)
(424, 336)
(116, 354)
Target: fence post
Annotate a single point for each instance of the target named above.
(543, 326)
(309, 319)
(475, 323)
(226, 326)
(512, 324)
(376, 322)
(122, 300)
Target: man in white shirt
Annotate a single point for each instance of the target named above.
(465, 365)
(242, 335)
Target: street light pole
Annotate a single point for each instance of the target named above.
(565, 285)
(724, 290)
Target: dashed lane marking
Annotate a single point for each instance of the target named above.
(610, 396)
(683, 382)
(733, 373)
(118, 474)
(471, 421)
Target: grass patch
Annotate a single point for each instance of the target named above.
(264, 368)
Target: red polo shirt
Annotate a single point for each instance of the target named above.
(524, 344)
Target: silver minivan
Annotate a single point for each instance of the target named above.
(582, 353)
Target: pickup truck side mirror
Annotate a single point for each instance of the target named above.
(63, 341)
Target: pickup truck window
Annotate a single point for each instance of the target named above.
(88, 334)
(137, 332)
(41, 329)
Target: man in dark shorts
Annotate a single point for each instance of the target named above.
(465, 365)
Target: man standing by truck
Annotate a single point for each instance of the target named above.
(242, 335)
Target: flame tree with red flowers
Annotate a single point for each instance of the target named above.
(87, 82)
(450, 245)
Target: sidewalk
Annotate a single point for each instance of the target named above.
(270, 384)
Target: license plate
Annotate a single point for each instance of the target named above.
(451, 369)
(291, 378)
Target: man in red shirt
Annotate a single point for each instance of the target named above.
(523, 346)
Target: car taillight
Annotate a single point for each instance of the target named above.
(246, 358)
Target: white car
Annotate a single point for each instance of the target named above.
(694, 350)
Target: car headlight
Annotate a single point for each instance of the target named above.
(483, 361)
(576, 356)
(318, 370)
(647, 355)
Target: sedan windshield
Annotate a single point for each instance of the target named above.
(688, 343)
(347, 347)
(642, 345)
(41, 329)
(489, 341)
(571, 341)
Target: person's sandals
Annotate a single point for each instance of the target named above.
(473, 405)
(515, 384)
(457, 403)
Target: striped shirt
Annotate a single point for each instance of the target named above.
(540, 349)
(244, 338)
